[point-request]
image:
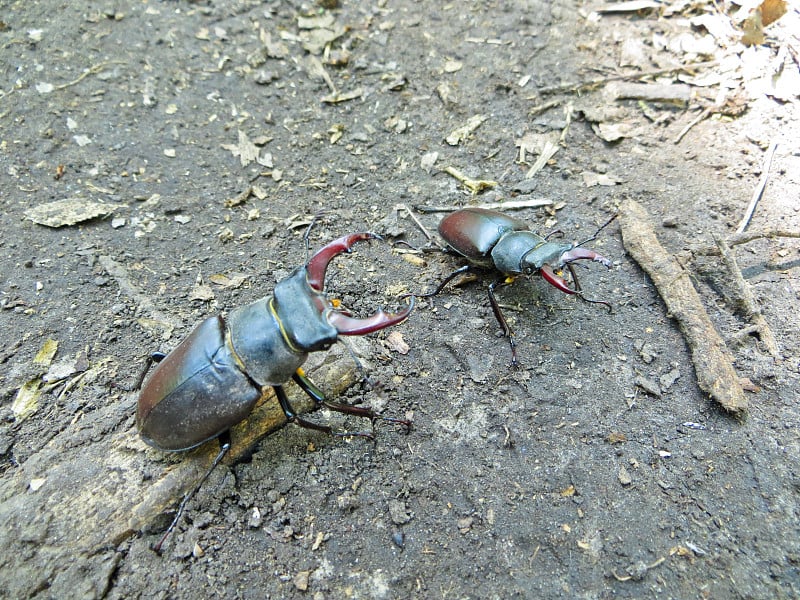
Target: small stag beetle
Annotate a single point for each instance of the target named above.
(492, 240)
(212, 380)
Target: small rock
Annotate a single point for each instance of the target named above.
(301, 580)
(399, 539)
(254, 522)
(623, 476)
(465, 524)
(648, 386)
(398, 512)
(667, 379)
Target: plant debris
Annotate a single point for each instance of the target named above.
(70, 211)
(713, 362)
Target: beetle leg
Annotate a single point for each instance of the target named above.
(316, 394)
(347, 325)
(498, 314)
(446, 280)
(154, 358)
(548, 275)
(318, 264)
(224, 446)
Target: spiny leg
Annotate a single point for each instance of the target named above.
(445, 281)
(224, 446)
(507, 332)
(316, 394)
(154, 358)
(579, 291)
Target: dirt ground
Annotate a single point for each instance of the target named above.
(212, 131)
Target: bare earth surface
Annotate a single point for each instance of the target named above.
(211, 132)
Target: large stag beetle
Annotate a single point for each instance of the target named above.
(491, 240)
(212, 380)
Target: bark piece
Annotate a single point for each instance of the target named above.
(713, 363)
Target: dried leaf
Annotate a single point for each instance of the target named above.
(67, 212)
(461, 133)
(337, 97)
(626, 7)
(616, 437)
(592, 179)
(246, 150)
(233, 281)
(201, 292)
(27, 400)
(46, 353)
(395, 342)
(771, 11)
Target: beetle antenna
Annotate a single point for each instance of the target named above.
(316, 217)
(596, 233)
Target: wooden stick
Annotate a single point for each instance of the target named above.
(713, 363)
(748, 301)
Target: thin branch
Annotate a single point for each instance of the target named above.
(759, 191)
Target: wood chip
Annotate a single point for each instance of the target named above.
(68, 212)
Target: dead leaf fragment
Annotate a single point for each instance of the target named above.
(337, 97)
(771, 11)
(46, 353)
(67, 212)
(301, 580)
(766, 13)
(460, 134)
(246, 150)
(395, 342)
(202, 292)
(232, 281)
(615, 437)
(592, 179)
(27, 399)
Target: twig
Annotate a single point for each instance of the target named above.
(703, 115)
(508, 205)
(90, 71)
(713, 363)
(475, 186)
(743, 238)
(759, 191)
(747, 299)
(414, 218)
(588, 85)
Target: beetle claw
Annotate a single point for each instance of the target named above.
(578, 253)
(347, 325)
(318, 264)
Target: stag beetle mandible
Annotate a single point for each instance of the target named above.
(492, 240)
(212, 380)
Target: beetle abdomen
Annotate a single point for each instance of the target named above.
(195, 393)
(473, 232)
